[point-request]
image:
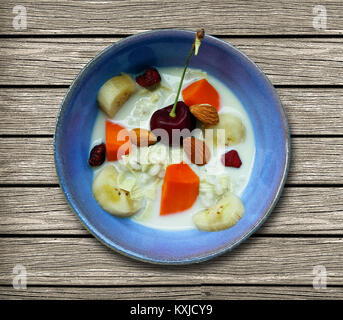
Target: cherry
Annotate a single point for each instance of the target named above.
(161, 119)
(172, 121)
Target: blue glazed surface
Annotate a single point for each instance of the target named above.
(170, 48)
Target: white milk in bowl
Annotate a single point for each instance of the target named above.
(146, 166)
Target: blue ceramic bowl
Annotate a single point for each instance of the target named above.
(170, 48)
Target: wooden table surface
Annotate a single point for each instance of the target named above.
(38, 229)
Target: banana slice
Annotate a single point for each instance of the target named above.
(114, 93)
(110, 197)
(223, 215)
(229, 131)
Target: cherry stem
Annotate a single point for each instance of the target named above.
(172, 112)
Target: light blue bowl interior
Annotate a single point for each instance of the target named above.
(170, 48)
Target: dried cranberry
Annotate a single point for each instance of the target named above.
(231, 159)
(149, 78)
(97, 155)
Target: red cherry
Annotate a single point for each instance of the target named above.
(161, 119)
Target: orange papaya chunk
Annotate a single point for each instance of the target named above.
(201, 91)
(180, 188)
(118, 141)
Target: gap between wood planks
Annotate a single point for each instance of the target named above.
(254, 235)
(267, 285)
(219, 36)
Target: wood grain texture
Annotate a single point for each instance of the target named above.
(34, 110)
(25, 160)
(85, 261)
(64, 262)
(29, 111)
(205, 292)
(30, 211)
(56, 61)
(270, 293)
(31, 160)
(313, 110)
(108, 293)
(125, 17)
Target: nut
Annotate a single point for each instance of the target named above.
(142, 137)
(205, 113)
(196, 151)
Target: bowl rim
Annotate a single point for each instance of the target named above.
(198, 259)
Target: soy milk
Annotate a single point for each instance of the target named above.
(136, 113)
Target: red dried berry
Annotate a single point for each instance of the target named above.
(149, 78)
(231, 159)
(97, 155)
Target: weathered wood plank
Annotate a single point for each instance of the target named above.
(173, 292)
(34, 110)
(25, 160)
(314, 160)
(30, 160)
(271, 293)
(218, 17)
(109, 293)
(56, 61)
(313, 110)
(37, 211)
(29, 110)
(85, 261)
(33, 211)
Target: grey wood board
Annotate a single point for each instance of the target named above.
(86, 261)
(205, 292)
(256, 17)
(57, 61)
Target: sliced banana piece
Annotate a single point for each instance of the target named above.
(223, 215)
(112, 198)
(229, 131)
(115, 92)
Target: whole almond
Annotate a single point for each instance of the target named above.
(205, 113)
(196, 151)
(142, 137)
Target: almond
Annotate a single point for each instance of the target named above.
(196, 151)
(142, 137)
(205, 113)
